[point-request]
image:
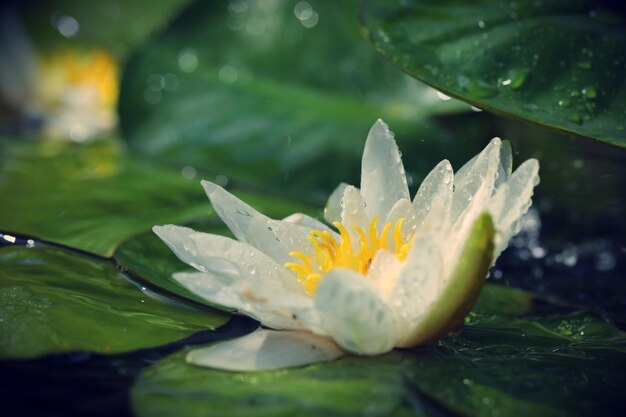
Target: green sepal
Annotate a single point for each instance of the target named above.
(463, 288)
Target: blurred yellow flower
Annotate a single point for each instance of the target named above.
(77, 93)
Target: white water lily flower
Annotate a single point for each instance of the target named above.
(391, 273)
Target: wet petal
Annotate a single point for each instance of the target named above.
(353, 313)
(277, 239)
(474, 185)
(305, 220)
(353, 213)
(435, 196)
(506, 163)
(383, 180)
(264, 350)
(269, 304)
(403, 209)
(383, 273)
(418, 285)
(332, 211)
(227, 257)
(512, 201)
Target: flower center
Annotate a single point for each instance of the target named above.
(328, 253)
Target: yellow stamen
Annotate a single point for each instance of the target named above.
(328, 253)
(383, 236)
(373, 236)
(397, 233)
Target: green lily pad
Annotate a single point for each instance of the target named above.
(148, 257)
(94, 196)
(348, 387)
(557, 63)
(497, 300)
(90, 197)
(241, 84)
(569, 365)
(496, 367)
(54, 301)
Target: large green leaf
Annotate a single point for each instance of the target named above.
(495, 368)
(252, 84)
(53, 301)
(90, 197)
(559, 63)
(569, 365)
(349, 387)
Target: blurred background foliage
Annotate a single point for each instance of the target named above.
(112, 111)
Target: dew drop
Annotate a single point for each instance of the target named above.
(478, 89)
(575, 118)
(589, 92)
(188, 60)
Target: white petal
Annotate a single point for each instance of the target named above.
(332, 211)
(403, 209)
(268, 304)
(418, 286)
(224, 256)
(277, 239)
(512, 201)
(435, 195)
(506, 163)
(383, 180)
(474, 185)
(353, 213)
(238, 216)
(353, 314)
(383, 273)
(305, 220)
(264, 350)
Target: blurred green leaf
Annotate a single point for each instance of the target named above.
(54, 301)
(90, 197)
(247, 90)
(93, 196)
(496, 367)
(115, 25)
(553, 62)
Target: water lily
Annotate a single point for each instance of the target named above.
(390, 272)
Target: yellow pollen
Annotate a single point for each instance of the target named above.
(329, 253)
